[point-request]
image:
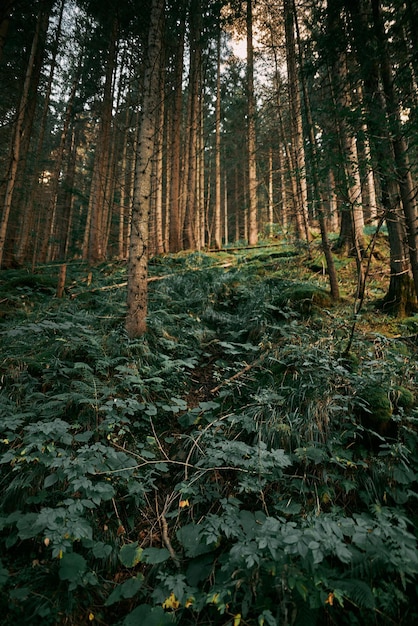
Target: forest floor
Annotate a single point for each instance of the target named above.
(251, 460)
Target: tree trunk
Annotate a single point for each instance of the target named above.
(123, 174)
(217, 235)
(326, 247)
(351, 238)
(19, 125)
(98, 201)
(137, 299)
(403, 170)
(32, 181)
(158, 225)
(226, 232)
(201, 207)
(175, 217)
(399, 298)
(333, 213)
(191, 208)
(299, 172)
(252, 162)
(270, 193)
(59, 156)
(68, 199)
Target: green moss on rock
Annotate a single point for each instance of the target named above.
(305, 297)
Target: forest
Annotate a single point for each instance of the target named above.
(208, 312)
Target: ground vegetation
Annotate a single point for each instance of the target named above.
(250, 460)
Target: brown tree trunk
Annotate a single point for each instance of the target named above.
(326, 247)
(59, 156)
(67, 214)
(217, 230)
(32, 180)
(98, 201)
(202, 181)
(252, 149)
(299, 172)
(351, 238)
(175, 217)
(123, 175)
(191, 208)
(137, 299)
(270, 194)
(23, 122)
(399, 298)
(226, 217)
(407, 187)
(159, 231)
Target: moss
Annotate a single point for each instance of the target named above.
(411, 323)
(400, 300)
(305, 297)
(403, 398)
(351, 361)
(378, 409)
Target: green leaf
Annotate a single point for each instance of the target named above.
(267, 619)
(311, 454)
(208, 406)
(358, 591)
(199, 569)
(72, 567)
(155, 555)
(126, 590)
(190, 538)
(84, 437)
(101, 550)
(50, 480)
(20, 593)
(151, 616)
(130, 554)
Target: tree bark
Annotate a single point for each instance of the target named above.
(399, 298)
(407, 187)
(298, 157)
(98, 201)
(326, 247)
(158, 222)
(194, 109)
(32, 181)
(19, 126)
(252, 161)
(175, 217)
(351, 238)
(137, 299)
(217, 234)
(49, 221)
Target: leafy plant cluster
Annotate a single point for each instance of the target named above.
(234, 466)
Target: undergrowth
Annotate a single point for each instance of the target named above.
(234, 466)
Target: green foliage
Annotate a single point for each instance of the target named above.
(229, 467)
